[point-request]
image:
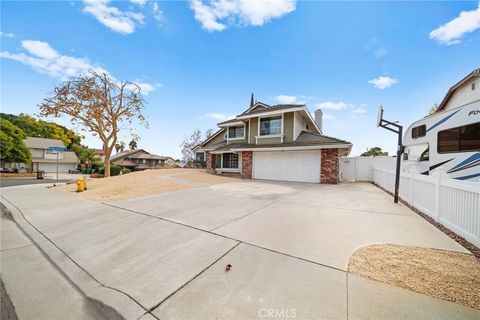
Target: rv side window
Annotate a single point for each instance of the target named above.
(460, 139)
(419, 131)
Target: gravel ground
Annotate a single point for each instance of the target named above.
(447, 275)
(144, 183)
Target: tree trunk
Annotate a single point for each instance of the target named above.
(107, 163)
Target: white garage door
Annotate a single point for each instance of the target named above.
(52, 167)
(302, 166)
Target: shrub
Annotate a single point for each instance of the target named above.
(126, 170)
(114, 170)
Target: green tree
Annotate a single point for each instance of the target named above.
(43, 129)
(12, 147)
(375, 151)
(85, 155)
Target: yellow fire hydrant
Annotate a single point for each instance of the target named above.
(80, 185)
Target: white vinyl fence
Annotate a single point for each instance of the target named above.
(453, 203)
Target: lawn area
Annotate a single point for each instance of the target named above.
(144, 183)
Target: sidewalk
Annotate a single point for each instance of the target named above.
(36, 288)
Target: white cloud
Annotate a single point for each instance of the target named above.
(47, 60)
(218, 15)
(145, 87)
(374, 46)
(359, 110)
(379, 52)
(139, 2)
(451, 32)
(157, 13)
(7, 34)
(338, 106)
(286, 99)
(383, 82)
(219, 116)
(44, 59)
(112, 17)
(329, 105)
(328, 116)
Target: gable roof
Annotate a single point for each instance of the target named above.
(42, 143)
(258, 104)
(126, 153)
(277, 107)
(474, 74)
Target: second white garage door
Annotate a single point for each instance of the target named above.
(301, 166)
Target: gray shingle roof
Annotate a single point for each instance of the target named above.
(304, 139)
(276, 107)
(229, 121)
(42, 143)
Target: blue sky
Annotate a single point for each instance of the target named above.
(199, 61)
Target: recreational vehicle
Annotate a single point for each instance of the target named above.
(449, 140)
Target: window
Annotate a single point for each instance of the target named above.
(419, 131)
(270, 126)
(230, 160)
(460, 139)
(200, 157)
(473, 86)
(425, 156)
(236, 132)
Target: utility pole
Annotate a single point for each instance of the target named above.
(398, 129)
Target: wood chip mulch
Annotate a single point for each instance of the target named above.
(447, 275)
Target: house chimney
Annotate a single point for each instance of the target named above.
(319, 119)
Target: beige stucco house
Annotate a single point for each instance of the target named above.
(464, 92)
(279, 142)
(43, 159)
(140, 159)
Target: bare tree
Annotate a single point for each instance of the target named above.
(189, 143)
(208, 133)
(98, 104)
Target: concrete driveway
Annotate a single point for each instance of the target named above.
(289, 245)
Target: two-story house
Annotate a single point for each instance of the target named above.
(280, 142)
(46, 160)
(140, 159)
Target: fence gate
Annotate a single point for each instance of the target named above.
(347, 169)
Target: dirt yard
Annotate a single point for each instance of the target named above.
(446, 275)
(144, 183)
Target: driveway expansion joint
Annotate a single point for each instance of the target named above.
(67, 256)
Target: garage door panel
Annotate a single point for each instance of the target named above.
(302, 166)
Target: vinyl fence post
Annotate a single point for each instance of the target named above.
(438, 182)
(412, 176)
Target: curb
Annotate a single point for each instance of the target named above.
(110, 303)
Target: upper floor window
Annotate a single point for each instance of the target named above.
(270, 126)
(419, 131)
(460, 139)
(236, 132)
(473, 86)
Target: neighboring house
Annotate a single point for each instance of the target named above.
(43, 159)
(140, 159)
(464, 92)
(100, 153)
(280, 142)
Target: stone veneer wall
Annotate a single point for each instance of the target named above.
(329, 166)
(247, 158)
